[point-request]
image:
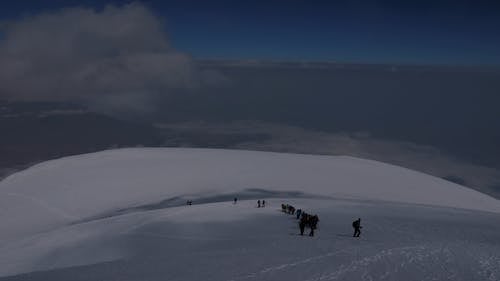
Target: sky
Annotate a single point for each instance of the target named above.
(414, 32)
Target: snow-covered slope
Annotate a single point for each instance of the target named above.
(82, 210)
(223, 241)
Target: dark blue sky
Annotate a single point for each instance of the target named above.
(423, 32)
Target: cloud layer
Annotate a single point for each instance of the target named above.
(117, 58)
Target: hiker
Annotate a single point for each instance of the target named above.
(263, 203)
(283, 208)
(357, 227)
(304, 215)
(302, 224)
(299, 211)
(258, 203)
(235, 200)
(313, 224)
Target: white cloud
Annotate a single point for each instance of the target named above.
(118, 58)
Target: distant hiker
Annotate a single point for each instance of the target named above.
(258, 204)
(284, 208)
(235, 200)
(314, 221)
(357, 227)
(263, 203)
(302, 224)
(299, 211)
(303, 215)
(313, 224)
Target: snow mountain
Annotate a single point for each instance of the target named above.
(122, 215)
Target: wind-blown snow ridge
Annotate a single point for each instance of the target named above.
(83, 186)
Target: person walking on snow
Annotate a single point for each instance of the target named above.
(299, 211)
(258, 203)
(235, 200)
(302, 224)
(313, 223)
(357, 227)
(263, 203)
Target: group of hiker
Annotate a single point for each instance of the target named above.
(305, 219)
(308, 220)
(311, 221)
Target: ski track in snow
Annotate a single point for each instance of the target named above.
(413, 255)
(417, 257)
(490, 268)
(286, 266)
